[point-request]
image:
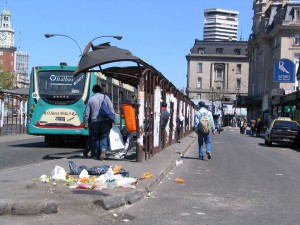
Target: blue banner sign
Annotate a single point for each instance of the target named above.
(284, 71)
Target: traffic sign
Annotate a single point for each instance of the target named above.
(284, 71)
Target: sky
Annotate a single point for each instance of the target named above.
(160, 32)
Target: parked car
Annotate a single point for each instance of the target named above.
(282, 130)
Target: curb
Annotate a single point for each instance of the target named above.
(28, 207)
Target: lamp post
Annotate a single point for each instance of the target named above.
(52, 35)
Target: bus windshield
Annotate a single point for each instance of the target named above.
(60, 83)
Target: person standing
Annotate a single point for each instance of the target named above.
(164, 119)
(99, 126)
(219, 124)
(203, 116)
(253, 126)
(178, 128)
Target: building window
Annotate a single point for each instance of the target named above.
(219, 71)
(201, 51)
(238, 83)
(237, 51)
(199, 96)
(239, 68)
(199, 82)
(199, 69)
(297, 13)
(219, 51)
(297, 39)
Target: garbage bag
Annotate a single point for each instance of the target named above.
(96, 170)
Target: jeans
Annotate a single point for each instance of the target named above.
(129, 143)
(219, 128)
(100, 134)
(202, 137)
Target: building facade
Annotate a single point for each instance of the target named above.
(275, 36)
(220, 25)
(217, 72)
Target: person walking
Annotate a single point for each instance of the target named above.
(259, 126)
(204, 127)
(99, 126)
(243, 126)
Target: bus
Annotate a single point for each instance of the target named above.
(57, 101)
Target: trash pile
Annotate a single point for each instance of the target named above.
(109, 177)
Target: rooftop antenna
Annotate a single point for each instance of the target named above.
(241, 37)
(20, 40)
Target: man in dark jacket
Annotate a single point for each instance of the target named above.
(164, 118)
(165, 115)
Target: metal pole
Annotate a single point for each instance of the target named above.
(52, 35)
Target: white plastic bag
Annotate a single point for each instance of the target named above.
(84, 174)
(58, 173)
(115, 138)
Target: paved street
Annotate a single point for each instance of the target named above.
(244, 183)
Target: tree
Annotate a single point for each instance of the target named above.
(6, 79)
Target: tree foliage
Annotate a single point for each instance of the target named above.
(6, 79)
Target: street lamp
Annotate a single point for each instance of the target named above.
(87, 48)
(52, 35)
(115, 36)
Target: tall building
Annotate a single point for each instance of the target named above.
(275, 36)
(220, 25)
(7, 49)
(21, 69)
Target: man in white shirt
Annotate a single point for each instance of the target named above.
(203, 136)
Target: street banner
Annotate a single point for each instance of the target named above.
(284, 71)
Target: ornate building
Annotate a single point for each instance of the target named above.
(275, 36)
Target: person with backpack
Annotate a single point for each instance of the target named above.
(204, 126)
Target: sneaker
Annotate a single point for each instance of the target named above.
(208, 155)
(119, 156)
(201, 157)
(102, 155)
(85, 153)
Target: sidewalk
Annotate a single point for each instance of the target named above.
(20, 195)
